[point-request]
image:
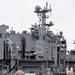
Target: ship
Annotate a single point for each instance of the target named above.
(39, 52)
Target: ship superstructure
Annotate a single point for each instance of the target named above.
(39, 52)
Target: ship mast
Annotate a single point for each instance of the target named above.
(41, 13)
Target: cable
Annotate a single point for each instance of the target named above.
(12, 68)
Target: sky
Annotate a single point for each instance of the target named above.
(20, 15)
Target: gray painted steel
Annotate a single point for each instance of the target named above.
(40, 51)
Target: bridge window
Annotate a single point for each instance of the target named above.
(0, 35)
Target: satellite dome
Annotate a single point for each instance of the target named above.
(61, 32)
(37, 8)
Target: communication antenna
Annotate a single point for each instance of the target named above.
(46, 5)
(57, 31)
